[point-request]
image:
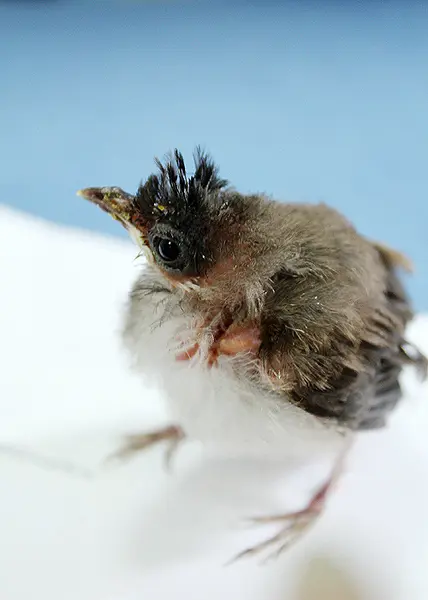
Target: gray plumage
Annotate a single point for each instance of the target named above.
(328, 303)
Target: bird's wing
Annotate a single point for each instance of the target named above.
(362, 397)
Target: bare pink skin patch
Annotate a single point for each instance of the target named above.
(236, 339)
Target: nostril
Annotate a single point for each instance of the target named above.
(98, 195)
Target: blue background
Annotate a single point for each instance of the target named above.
(303, 100)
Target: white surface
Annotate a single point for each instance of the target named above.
(133, 531)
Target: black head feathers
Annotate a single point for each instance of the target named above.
(171, 193)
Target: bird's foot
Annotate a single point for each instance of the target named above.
(294, 525)
(134, 443)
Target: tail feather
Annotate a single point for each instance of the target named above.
(411, 355)
(394, 259)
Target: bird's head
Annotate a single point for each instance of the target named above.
(203, 237)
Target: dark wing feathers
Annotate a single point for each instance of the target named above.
(363, 399)
(349, 376)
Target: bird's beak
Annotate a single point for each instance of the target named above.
(121, 206)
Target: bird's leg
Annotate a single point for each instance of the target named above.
(293, 525)
(173, 435)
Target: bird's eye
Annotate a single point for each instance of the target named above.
(169, 251)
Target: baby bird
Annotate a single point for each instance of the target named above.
(271, 327)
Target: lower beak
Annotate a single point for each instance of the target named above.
(121, 206)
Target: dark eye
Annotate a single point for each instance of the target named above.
(169, 251)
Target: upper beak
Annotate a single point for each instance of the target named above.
(121, 206)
